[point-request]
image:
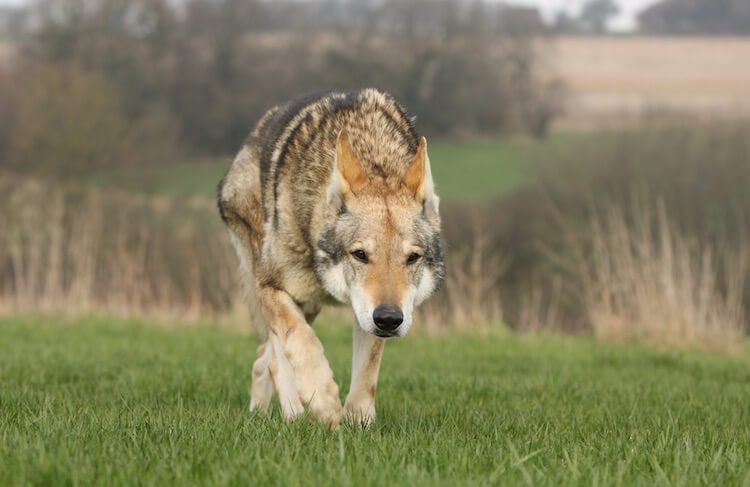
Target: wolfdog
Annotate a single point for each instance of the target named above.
(331, 199)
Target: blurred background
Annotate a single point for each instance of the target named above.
(593, 156)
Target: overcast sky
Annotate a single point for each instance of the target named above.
(624, 21)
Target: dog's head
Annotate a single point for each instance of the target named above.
(383, 251)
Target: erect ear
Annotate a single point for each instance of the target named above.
(414, 178)
(418, 179)
(348, 169)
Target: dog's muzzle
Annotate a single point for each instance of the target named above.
(387, 319)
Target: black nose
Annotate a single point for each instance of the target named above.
(387, 318)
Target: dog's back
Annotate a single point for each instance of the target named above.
(280, 174)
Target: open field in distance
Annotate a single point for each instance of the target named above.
(615, 77)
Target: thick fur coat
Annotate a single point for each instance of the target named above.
(331, 198)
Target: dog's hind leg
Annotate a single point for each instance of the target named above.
(241, 208)
(282, 375)
(265, 373)
(261, 389)
(272, 370)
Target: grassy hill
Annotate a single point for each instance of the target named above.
(103, 401)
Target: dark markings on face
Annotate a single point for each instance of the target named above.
(331, 245)
(334, 241)
(432, 243)
(422, 232)
(436, 261)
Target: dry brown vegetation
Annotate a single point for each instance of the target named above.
(643, 236)
(636, 235)
(85, 251)
(662, 286)
(78, 250)
(470, 295)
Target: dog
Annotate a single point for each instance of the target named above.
(331, 199)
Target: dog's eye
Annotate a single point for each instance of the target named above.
(360, 255)
(413, 257)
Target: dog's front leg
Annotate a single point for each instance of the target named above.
(367, 351)
(295, 343)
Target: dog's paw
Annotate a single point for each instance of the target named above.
(359, 414)
(325, 406)
(292, 409)
(258, 406)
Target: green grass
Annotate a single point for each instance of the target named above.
(193, 178)
(110, 402)
(468, 171)
(472, 171)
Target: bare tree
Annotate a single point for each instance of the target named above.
(596, 14)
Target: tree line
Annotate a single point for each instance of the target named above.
(109, 82)
(697, 17)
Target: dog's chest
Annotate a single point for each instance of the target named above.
(302, 284)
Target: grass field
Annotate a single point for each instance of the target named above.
(463, 170)
(105, 401)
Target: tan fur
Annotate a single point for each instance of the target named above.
(350, 168)
(415, 174)
(360, 402)
(318, 179)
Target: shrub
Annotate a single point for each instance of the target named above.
(69, 122)
(548, 233)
